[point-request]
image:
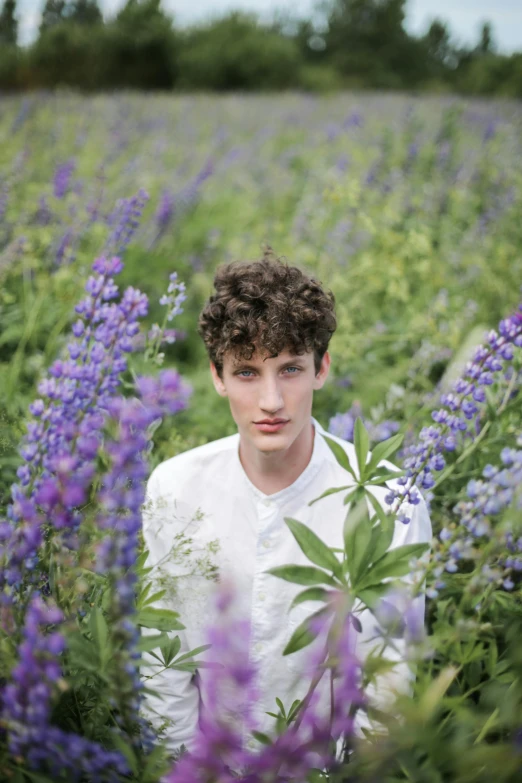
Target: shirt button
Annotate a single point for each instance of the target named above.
(261, 596)
(258, 647)
(267, 502)
(266, 543)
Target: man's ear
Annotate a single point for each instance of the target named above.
(324, 369)
(219, 386)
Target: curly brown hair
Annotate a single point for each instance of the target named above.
(268, 304)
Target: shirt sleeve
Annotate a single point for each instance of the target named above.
(382, 693)
(176, 709)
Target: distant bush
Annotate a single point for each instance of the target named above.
(68, 55)
(236, 53)
(320, 78)
(9, 67)
(493, 74)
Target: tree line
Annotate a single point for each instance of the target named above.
(350, 44)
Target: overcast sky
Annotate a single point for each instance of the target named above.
(464, 16)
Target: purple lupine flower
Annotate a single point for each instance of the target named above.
(342, 425)
(459, 419)
(61, 442)
(165, 211)
(64, 247)
(26, 707)
(487, 498)
(354, 120)
(4, 199)
(43, 215)
(120, 501)
(174, 297)
(62, 178)
(229, 687)
(124, 221)
(170, 204)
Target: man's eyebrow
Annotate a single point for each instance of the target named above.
(245, 365)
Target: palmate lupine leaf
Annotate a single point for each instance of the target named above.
(159, 619)
(312, 546)
(302, 575)
(395, 563)
(306, 632)
(310, 594)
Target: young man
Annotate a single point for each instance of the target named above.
(266, 329)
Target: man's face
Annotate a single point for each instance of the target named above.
(279, 388)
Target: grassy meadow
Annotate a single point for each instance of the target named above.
(409, 209)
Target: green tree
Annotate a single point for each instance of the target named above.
(366, 39)
(54, 12)
(441, 53)
(8, 23)
(235, 52)
(486, 44)
(141, 47)
(85, 12)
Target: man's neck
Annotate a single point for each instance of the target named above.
(271, 472)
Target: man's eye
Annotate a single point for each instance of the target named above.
(242, 371)
(294, 368)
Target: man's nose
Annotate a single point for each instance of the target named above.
(271, 399)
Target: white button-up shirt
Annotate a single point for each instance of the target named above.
(204, 517)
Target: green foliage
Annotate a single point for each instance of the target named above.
(237, 53)
(430, 258)
(8, 24)
(346, 44)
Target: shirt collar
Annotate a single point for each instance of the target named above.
(308, 474)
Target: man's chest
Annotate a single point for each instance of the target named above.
(240, 539)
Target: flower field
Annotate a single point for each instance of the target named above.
(114, 213)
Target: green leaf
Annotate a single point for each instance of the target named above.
(382, 475)
(340, 455)
(357, 492)
(357, 544)
(144, 599)
(382, 534)
(100, 633)
(261, 737)
(281, 706)
(194, 652)
(312, 546)
(392, 564)
(371, 595)
(170, 650)
(160, 619)
(293, 709)
(147, 643)
(141, 560)
(316, 775)
(302, 575)
(83, 654)
(310, 594)
(362, 444)
(331, 491)
(143, 595)
(127, 752)
(303, 634)
(382, 451)
(354, 518)
(157, 765)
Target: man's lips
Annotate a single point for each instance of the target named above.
(273, 425)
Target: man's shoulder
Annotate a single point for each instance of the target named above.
(183, 466)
